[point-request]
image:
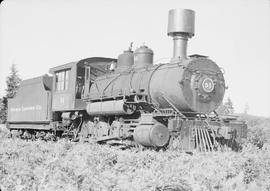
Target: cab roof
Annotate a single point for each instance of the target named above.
(92, 61)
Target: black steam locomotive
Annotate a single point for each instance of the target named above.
(130, 100)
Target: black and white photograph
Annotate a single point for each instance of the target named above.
(126, 95)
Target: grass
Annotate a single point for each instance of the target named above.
(62, 165)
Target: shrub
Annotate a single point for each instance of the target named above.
(63, 165)
(258, 130)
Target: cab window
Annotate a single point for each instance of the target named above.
(61, 80)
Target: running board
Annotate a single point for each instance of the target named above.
(29, 126)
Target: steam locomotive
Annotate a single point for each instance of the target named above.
(130, 100)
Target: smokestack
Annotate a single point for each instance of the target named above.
(181, 28)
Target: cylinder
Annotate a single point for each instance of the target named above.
(143, 56)
(156, 135)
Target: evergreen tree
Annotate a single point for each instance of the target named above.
(3, 110)
(13, 82)
(226, 108)
(246, 109)
(229, 105)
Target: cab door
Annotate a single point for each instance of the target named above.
(80, 88)
(88, 83)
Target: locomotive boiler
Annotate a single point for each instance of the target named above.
(131, 100)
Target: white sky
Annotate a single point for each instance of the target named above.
(39, 34)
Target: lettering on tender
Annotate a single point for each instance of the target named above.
(26, 108)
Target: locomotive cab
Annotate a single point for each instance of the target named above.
(65, 83)
(72, 81)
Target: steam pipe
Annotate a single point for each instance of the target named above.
(180, 47)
